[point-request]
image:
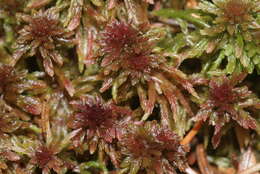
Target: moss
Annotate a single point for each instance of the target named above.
(129, 86)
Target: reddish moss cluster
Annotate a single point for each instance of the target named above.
(16, 85)
(152, 148)
(96, 119)
(227, 102)
(102, 85)
(237, 10)
(42, 35)
(125, 45)
(222, 94)
(130, 66)
(46, 159)
(43, 156)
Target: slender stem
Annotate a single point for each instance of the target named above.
(186, 15)
(175, 23)
(187, 139)
(203, 163)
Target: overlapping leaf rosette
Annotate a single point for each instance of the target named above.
(130, 67)
(228, 101)
(104, 86)
(225, 31)
(151, 148)
(46, 148)
(98, 124)
(22, 89)
(41, 37)
(234, 29)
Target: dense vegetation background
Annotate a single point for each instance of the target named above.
(129, 86)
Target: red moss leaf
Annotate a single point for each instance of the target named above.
(75, 21)
(48, 66)
(245, 120)
(29, 104)
(151, 97)
(64, 81)
(89, 59)
(38, 4)
(11, 156)
(43, 156)
(217, 133)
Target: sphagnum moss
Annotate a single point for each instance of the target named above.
(110, 87)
